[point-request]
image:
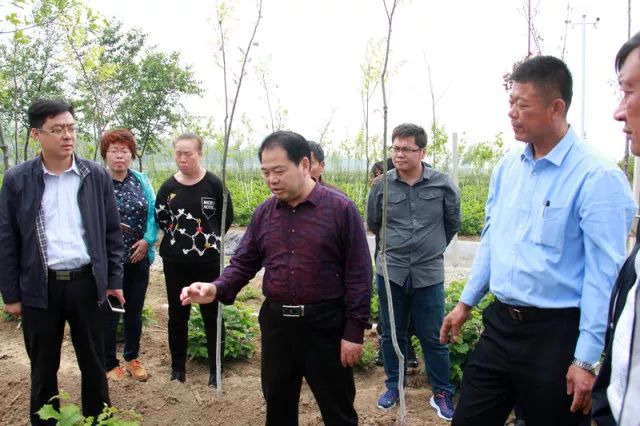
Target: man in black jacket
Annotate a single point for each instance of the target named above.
(60, 255)
(616, 392)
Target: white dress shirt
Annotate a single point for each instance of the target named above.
(66, 246)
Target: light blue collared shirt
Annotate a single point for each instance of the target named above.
(66, 247)
(555, 236)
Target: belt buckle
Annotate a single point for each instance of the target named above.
(515, 314)
(293, 311)
(63, 275)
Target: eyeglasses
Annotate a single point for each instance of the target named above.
(404, 150)
(60, 131)
(118, 151)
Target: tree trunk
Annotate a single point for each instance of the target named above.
(5, 151)
(26, 146)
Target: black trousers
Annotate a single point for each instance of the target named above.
(177, 276)
(309, 347)
(75, 302)
(520, 362)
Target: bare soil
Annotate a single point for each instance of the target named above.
(164, 402)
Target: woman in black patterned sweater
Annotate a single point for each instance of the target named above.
(189, 212)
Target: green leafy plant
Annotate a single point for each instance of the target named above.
(6, 315)
(460, 350)
(70, 414)
(148, 319)
(367, 360)
(241, 327)
(248, 293)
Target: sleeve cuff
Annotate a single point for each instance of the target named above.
(222, 293)
(587, 350)
(353, 333)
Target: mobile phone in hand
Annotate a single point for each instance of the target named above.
(126, 229)
(115, 304)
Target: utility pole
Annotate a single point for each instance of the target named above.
(583, 86)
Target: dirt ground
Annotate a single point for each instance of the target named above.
(164, 402)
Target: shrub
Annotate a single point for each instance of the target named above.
(241, 328)
(70, 414)
(6, 315)
(469, 333)
(368, 358)
(248, 293)
(148, 319)
(473, 196)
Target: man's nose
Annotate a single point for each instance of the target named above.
(620, 113)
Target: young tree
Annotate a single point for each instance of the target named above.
(29, 68)
(230, 105)
(371, 69)
(383, 227)
(151, 105)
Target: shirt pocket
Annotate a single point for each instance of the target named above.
(396, 205)
(429, 206)
(551, 226)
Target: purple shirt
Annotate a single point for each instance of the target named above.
(312, 253)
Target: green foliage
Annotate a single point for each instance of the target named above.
(247, 192)
(241, 327)
(473, 196)
(483, 156)
(375, 302)
(248, 293)
(368, 358)
(70, 415)
(6, 315)
(469, 333)
(148, 319)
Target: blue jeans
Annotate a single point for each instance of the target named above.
(426, 306)
(134, 287)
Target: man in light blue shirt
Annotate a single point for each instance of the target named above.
(557, 217)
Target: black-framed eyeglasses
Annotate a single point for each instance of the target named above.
(60, 131)
(404, 150)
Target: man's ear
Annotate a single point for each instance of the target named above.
(34, 133)
(559, 108)
(306, 164)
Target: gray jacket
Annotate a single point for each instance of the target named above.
(23, 268)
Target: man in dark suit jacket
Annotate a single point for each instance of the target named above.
(616, 392)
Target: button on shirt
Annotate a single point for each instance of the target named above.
(312, 253)
(421, 221)
(66, 247)
(555, 236)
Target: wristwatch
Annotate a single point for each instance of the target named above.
(591, 368)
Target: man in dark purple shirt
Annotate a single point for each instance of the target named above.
(311, 241)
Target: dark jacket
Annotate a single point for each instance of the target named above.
(600, 411)
(23, 271)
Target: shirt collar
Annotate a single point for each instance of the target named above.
(73, 168)
(557, 155)
(427, 172)
(313, 198)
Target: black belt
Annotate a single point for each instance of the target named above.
(529, 313)
(70, 274)
(298, 311)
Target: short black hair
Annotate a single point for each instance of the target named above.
(407, 130)
(294, 144)
(626, 48)
(42, 109)
(549, 74)
(317, 150)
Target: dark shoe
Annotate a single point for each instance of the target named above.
(178, 375)
(213, 382)
(388, 399)
(412, 360)
(379, 361)
(443, 403)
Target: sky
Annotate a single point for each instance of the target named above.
(313, 50)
